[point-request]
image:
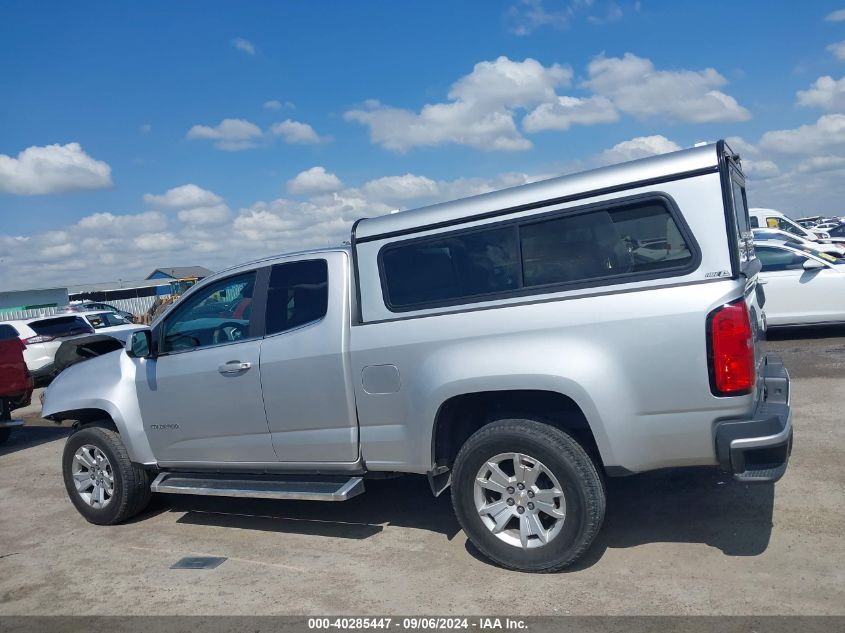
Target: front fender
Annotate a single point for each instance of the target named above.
(105, 383)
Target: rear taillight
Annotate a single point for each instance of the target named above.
(731, 350)
(41, 338)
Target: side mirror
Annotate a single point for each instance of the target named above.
(812, 264)
(140, 344)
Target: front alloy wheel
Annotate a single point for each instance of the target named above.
(93, 476)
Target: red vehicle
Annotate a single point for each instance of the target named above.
(15, 381)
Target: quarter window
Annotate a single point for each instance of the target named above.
(640, 237)
(219, 313)
(299, 294)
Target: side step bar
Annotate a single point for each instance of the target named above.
(323, 489)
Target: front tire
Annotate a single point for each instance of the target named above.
(102, 482)
(527, 495)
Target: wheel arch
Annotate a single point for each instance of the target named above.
(461, 415)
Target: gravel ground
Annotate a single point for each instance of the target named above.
(675, 542)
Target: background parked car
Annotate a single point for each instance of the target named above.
(42, 337)
(86, 306)
(111, 323)
(802, 287)
(771, 219)
(15, 380)
(777, 235)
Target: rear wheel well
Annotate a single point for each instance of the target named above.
(461, 416)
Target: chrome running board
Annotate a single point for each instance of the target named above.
(263, 487)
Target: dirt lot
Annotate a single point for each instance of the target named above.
(675, 542)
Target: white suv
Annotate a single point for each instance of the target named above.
(43, 336)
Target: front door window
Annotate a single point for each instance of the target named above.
(219, 313)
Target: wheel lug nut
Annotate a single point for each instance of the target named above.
(510, 490)
(530, 506)
(510, 501)
(520, 486)
(520, 509)
(531, 493)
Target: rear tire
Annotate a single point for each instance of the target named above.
(102, 482)
(551, 521)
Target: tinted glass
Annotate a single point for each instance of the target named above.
(299, 294)
(774, 259)
(218, 313)
(740, 207)
(838, 231)
(637, 238)
(7, 332)
(634, 238)
(448, 268)
(61, 326)
(754, 222)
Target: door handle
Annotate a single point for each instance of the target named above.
(233, 367)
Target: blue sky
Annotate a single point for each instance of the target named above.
(166, 133)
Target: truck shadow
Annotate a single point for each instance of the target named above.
(683, 505)
(691, 505)
(402, 501)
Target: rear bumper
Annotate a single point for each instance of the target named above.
(757, 449)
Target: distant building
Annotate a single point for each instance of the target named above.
(180, 272)
(22, 304)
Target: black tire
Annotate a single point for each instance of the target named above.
(131, 482)
(5, 433)
(582, 485)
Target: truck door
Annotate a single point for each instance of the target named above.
(200, 397)
(305, 368)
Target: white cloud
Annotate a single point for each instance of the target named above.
(183, 197)
(229, 134)
(635, 87)
(817, 164)
(52, 169)
(109, 224)
(314, 180)
(837, 49)
(296, 133)
(743, 147)
(836, 16)
(639, 147)
(566, 111)
(406, 187)
(760, 169)
(612, 14)
(275, 104)
(814, 138)
(483, 105)
(529, 15)
(826, 93)
(244, 45)
(146, 128)
(480, 112)
(196, 206)
(157, 241)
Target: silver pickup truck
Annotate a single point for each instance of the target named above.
(519, 346)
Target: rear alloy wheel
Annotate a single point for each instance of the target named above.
(520, 500)
(528, 495)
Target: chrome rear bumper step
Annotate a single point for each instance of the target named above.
(300, 488)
